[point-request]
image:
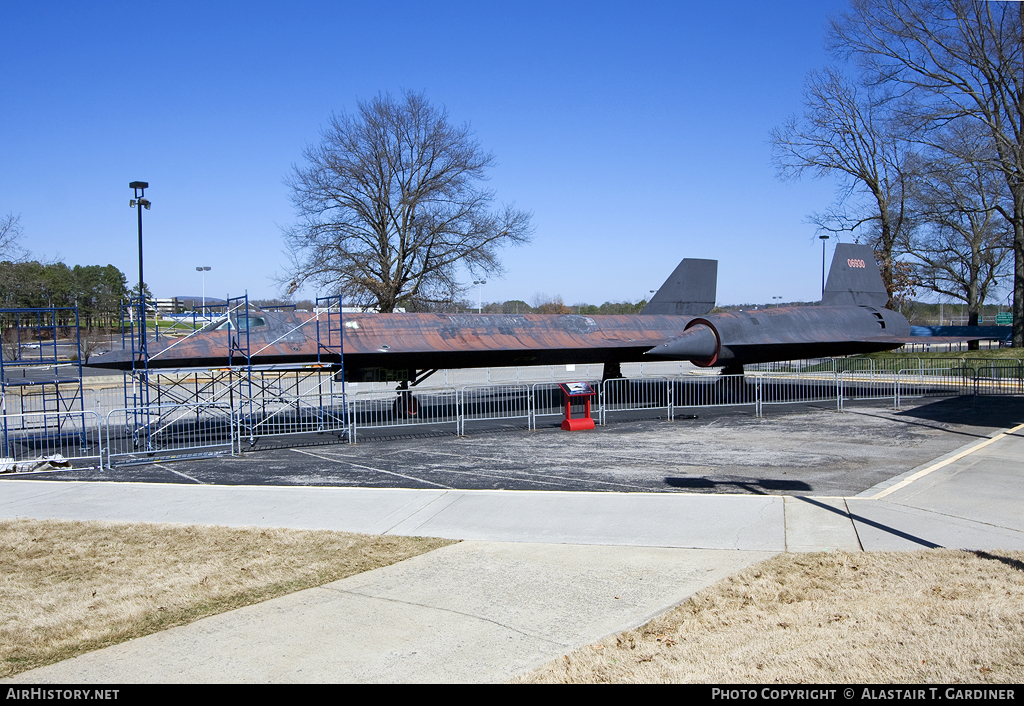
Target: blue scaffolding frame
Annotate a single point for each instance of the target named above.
(30, 341)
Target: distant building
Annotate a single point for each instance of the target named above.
(169, 306)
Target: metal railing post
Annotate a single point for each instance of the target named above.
(531, 419)
(839, 392)
(669, 394)
(601, 397)
(460, 420)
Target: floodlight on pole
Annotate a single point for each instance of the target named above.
(203, 270)
(479, 293)
(141, 202)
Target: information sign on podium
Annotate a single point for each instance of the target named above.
(577, 392)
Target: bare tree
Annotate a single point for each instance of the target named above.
(954, 60)
(390, 205)
(92, 341)
(849, 131)
(962, 245)
(10, 238)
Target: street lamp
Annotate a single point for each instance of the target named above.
(777, 303)
(479, 292)
(203, 271)
(141, 202)
(823, 239)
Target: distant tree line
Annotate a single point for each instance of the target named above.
(97, 291)
(542, 304)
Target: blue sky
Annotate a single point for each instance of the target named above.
(636, 133)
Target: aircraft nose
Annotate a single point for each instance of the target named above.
(696, 343)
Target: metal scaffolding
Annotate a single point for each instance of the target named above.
(269, 403)
(39, 387)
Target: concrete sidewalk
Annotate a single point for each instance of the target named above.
(540, 573)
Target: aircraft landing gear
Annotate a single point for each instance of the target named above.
(406, 405)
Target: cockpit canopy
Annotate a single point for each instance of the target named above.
(249, 322)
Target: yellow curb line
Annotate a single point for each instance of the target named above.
(922, 473)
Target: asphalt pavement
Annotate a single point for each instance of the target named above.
(542, 572)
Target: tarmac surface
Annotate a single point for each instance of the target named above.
(566, 537)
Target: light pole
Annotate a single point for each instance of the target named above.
(776, 303)
(141, 202)
(823, 239)
(479, 293)
(203, 271)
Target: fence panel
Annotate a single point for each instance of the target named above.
(154, 432)
(33, 440)
(548, 400)
(934, 382)
(793, 388)
(491, 402)
(865, 385)
(713, 390)
(998, 377)
(631, 394)
(403, 408)
(319, 413)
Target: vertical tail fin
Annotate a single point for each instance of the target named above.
(690, 290)
(854, 278)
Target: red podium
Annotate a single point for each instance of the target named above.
(577, 391)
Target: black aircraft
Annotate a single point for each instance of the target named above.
(675, 325)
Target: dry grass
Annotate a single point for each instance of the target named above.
(67, 588)
(933, 616)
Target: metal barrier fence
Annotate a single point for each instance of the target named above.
(492, 402)
(794, 388)
(319, 413)
(548, 401)
(310, 406)
(155, 432)
(935, 382)
(632, 394)
(998, 377)
(370, 410)
(33, 440)
(704, 390)
(864, 385)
